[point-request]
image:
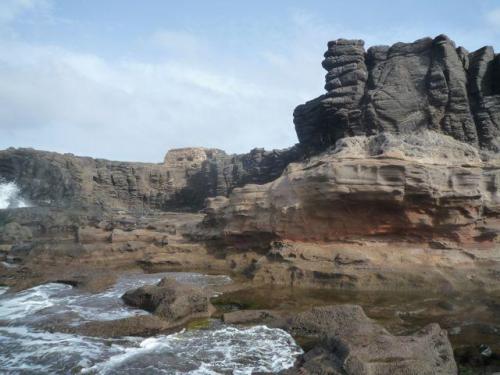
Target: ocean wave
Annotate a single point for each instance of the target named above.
(218, 349)
(212, 351)
(10, 196)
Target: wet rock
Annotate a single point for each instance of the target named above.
(352, 344)
(252, 316)
(477, 356)
(446, 305)
(145, 325)
(170, 300)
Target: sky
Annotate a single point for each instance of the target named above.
(130, 79)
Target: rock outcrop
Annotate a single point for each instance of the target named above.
(424, 186)
(352, 344)
(385, 212)
(427, 84)
(182, 182)
(171, 301)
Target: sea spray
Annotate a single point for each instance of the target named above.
(27, 348)
(10, 196)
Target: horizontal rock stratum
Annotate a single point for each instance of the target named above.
(424, 186)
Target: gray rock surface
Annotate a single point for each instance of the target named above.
(170, 300)
(427, 84)
(352, 344)
(183, 182)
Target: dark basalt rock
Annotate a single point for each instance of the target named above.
(425, 84)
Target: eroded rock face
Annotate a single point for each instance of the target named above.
(423, 186)
(182, 182)
(427, 84)
(352, 344)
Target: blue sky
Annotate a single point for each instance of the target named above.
(128, 80)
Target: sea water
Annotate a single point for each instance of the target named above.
(25, 348)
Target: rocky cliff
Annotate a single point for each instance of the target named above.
(423, 186)
(427, 84)
(181, 182)
(396, 175)
(399, 184)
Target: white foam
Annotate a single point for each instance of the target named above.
(10, 196)
(218, 349)
(29, 351)
(9, 265)
(30, 301)
(63, 299)
(211, 351)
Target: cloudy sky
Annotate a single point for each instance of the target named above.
(129, 79)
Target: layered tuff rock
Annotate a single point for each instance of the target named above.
(352, 344)
(182, 182)
(384, 212)
(427, 84)
(424, 186)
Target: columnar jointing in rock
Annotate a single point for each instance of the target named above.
(323, 120)
(427, 84)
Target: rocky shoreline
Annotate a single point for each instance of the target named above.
(393, 188)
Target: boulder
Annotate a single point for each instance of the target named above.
(170, 300)
(349, 343)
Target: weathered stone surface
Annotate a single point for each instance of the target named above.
(182, 182)
(425, 185)
(427, 84)
(171, 300)
(14, 233)
(142, 325)
(368, 214)
(352, 344)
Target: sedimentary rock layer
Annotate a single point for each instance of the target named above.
(183, 181)
(428, 84)
(424, 186)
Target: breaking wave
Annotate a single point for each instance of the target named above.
(10, 196)
(222, 350)
(218, 349)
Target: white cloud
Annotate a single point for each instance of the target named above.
(493, 19)
(81, 103)
(137, 108)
